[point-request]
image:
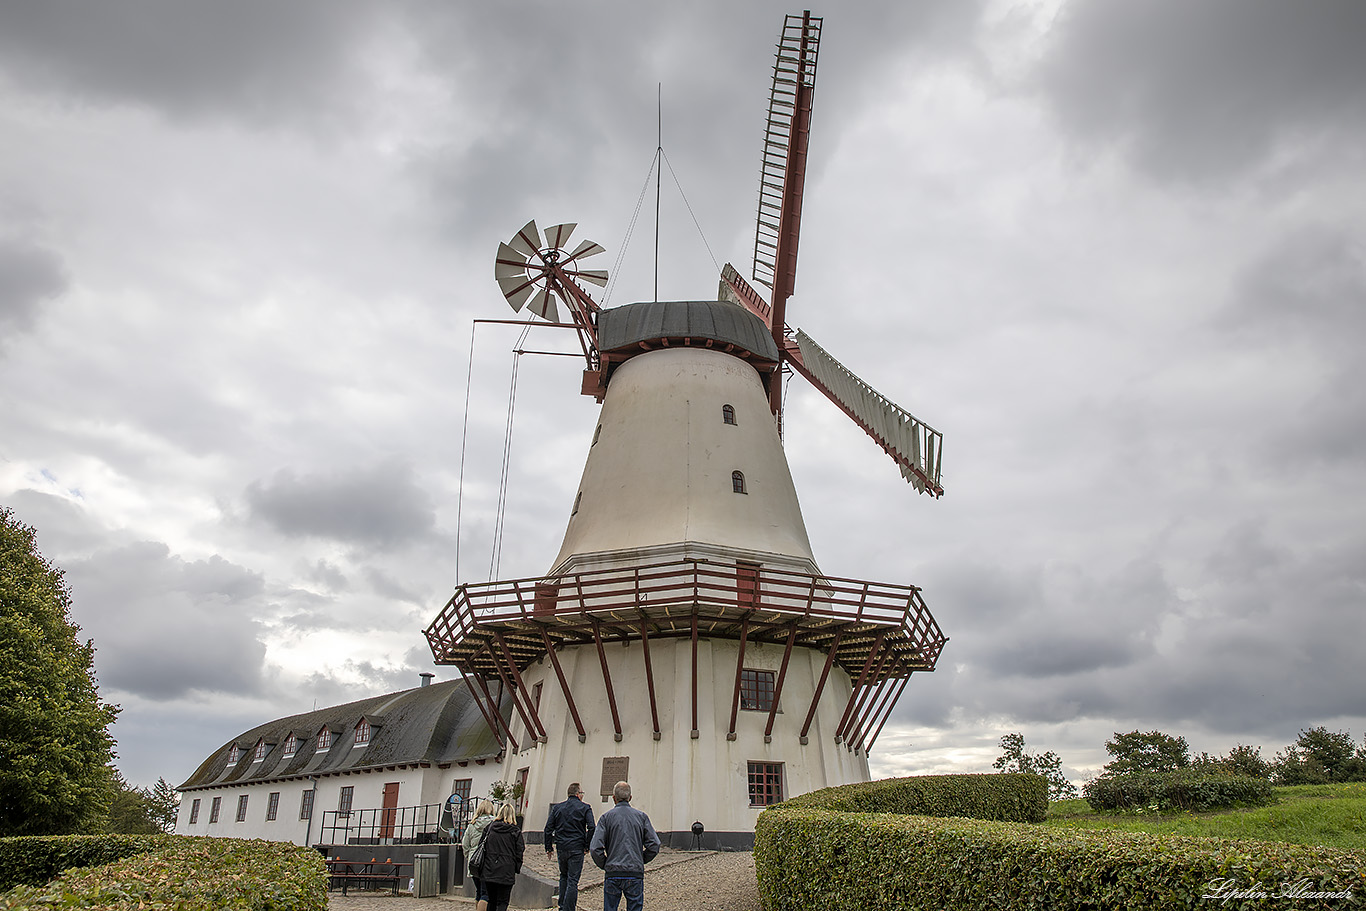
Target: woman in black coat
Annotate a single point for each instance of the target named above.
(503, 850)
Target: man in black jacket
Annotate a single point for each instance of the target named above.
(570, 825)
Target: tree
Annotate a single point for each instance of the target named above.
(165, 805)
(1150, 752)
(1046, 765)
(54, 739)
(1320, 756)
(130, 810)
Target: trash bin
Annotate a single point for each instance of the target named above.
(426, 875)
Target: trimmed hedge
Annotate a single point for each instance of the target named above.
(187, 874)
(886, 844)
(807, 858)
(1186, 789)
(1011, 797)
(34, 860)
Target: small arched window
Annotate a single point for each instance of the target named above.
(291, 745)
(324, 738)
(260, 752)
(737, 481)
(577, 500)
(728, 413)
(362, 732)
(234, 754)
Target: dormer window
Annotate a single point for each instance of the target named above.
(728, 414)
(234, 754)
(291, 745)
(324, 739)
(737, 481)
(260, 752)
(362, 732)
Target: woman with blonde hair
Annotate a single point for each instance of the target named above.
(504, 847)
(474, 834)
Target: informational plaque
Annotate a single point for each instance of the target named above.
(614, 769)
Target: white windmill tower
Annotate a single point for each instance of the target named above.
(684, 637)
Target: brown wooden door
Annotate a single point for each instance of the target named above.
(747, 585)
(389, 810)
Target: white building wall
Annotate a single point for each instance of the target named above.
(678, 779)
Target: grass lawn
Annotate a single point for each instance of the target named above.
(1332, 815)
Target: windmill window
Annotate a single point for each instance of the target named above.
(756, 690)
(737, 481)
(728, 414)
(215, 808)
(577, 500)
(765, 783)
(596, 433)
(362, 732)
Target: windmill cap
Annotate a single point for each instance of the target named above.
(624, 329)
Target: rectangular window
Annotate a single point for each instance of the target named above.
(461, 788)
(306, 804)
(194, 811)
(273, 807)
(536, 694)
(765, 783)
(344, 801)
(214, 809)
(756, 690)
(242, 808)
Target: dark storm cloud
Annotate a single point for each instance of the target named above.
(29, 275)
(1206, 90)
(380, 506)
(257, 60)
(164, 626)
(1303, 301)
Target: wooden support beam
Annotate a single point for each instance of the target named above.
(512, 692)
(564, 685)
(607, 679)
(878, 730)
(739, 666)
(874, 681)
(874, 711)
(820, 686)
(853, 694)
(496, 713)
(483, 710)
(649, 676)
(778, 686)
(695, 732)
(875, 691)
(539, 731)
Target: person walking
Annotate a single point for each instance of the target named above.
(474, 834)
(622, 845)
(504, 848)
(569, 828)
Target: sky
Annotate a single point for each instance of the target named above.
(1115, 252)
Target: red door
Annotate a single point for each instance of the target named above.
(747, 585)
(389, 810)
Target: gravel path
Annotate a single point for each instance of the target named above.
(674, 881)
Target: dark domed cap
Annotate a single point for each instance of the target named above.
(654, 322)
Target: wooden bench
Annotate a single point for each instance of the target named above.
(346, 873)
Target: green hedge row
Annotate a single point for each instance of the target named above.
(808, 858)
(1186, 789)
(187, 874)
(34, 860)
(1005, 797)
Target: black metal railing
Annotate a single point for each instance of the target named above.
(426, 824)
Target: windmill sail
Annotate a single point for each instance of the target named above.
(913, 445)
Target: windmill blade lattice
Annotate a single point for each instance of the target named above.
(529, 269)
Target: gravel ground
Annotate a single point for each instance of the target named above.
(674, 881)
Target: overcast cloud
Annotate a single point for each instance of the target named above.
(1115, 251)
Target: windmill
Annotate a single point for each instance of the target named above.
(684, 637)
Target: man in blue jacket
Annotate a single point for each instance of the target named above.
(622, 845)
(570, 825)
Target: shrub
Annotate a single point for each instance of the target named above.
(1195, 790)
(1010, 797)
(809, 858)
(189, 874)
(34, 860)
